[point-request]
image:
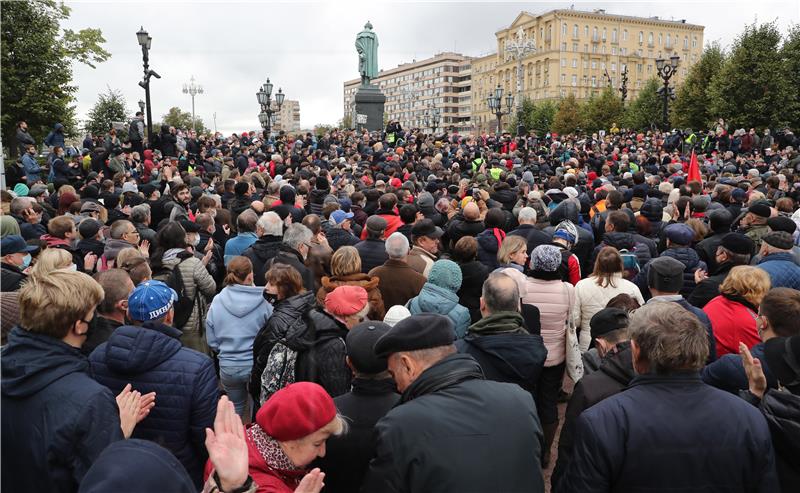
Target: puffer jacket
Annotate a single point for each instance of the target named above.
(326, 364)
(782, 411)
(625, 241)
(152, 359)
(370, 285)
(569, 211)
(435, 299)
(488, 244)
(198, 284)
(236, 315)
(316, 199)
(590, 298)
(556, 303)
(685, 255)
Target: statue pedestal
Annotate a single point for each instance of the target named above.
(369, 108)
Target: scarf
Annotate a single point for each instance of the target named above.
(270, 450)
(499, 323)
(172, 253)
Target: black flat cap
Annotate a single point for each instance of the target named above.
(422, 331)
(761, 209)
(738, 243)
(665, 274)
(425, 227)
(360, 343)
(777, 223)
(608, 320)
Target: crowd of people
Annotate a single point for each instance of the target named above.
(398, 311)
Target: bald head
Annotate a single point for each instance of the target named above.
(472, 212)
(500, 294)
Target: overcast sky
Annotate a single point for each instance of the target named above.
(307, 48)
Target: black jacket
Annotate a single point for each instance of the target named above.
(100, 330)
(671, 433)
(782, 410)
(473, 274)
(708, 288)
(260, 253)
(347, 457)
(460, 227)
(330, 369)
(455, 431)
(372, 253)
(90, 245)
(289, 256)
(55, 418)
(613, 376)
(338, 237)
(707, 250)
(622, 241)
(11, 278)
(532, 235)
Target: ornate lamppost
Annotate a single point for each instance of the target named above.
(193, 90)
(145, 40)
(520, 47)
(624, 87)
(264, 97)
(666, 71)
(495, 102)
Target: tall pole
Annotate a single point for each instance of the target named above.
(193, 89)
(146, 59)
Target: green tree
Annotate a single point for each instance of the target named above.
(691, 106)
(110, 107)
(177, 118)
(646, 110)
(601, 111)
(543, 116)
(751, 88)
(527, 111)
(36, 56)
(321, 128)
(791, 59)
(568, 117)
(346, 122)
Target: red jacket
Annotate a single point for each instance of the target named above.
(393, 222)
(733, 322)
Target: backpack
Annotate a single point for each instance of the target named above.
(278, 372)
(184, 306)
(630, 263)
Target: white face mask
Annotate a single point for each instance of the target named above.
(195, 240)
(72, 267)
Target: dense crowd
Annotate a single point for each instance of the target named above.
(398, 311)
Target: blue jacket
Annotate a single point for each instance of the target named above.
(152, 359)
(236, 315)
(727, 373)
(31, 167)
(671, 433)
(435, 299)
(55, 137)
(238, 244)
(782, 270)
(56, 419)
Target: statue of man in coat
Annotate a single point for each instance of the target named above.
(367, 47)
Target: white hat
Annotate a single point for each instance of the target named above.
(396, 314)
(129, 186)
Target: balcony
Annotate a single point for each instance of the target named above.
(669, 47)
(595, 39)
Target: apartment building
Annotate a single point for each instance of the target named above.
(288, 118)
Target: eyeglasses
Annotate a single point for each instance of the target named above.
(89, 322)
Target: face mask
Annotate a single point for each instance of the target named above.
(271, 298)
(26, 261)
(72, 267)
(195, 240)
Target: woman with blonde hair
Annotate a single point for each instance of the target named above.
(513, 253)
(52, 259)
(593, 293)
(734, 312)
(346, 271)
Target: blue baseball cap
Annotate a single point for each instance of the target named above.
(151, 300)
(15, 244)
(338, 216)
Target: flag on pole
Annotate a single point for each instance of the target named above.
(694, 169)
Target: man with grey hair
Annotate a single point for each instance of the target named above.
(668, 420)
(294, 251)
(527, 229)
(373, 249)
(140, 217)
(269, 230)
(398, 281)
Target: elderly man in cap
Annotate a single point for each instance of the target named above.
(399, 282)
(341, 233)
(679, 240)
(373, 250)
(609, 329)
(373, 394)
(149, 355)
(425, 235)
(781, 223)
(452, 430)
(668, 431)
(16, 258)
(777, 259)
(754, 222)
(734, 249)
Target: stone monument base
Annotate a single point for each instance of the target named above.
(369, 104)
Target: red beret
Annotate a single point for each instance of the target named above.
(346, 300)
(296, 411)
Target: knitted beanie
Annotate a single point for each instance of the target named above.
(446, 274)
(546, 258)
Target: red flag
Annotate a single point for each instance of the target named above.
(694, 169)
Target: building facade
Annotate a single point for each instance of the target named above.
(288, 118)
(416, 88)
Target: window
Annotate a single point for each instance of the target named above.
(586, 31)
(613, 66)
(564, 29)
(639, 67)
(574, 63)
(594, 48)
(575, 31)
(603, 65)
(649, 69)
(660, 39)
(623, 51)
(603, 49)
(613, 50)
(594, 81)
(563, 62)
(574, 80)
(563, 46)
(694, 42)
(594, 33)
(641, 37)
(650, 38)
(613, 35)
(594, 65)
(563, 78)
(624, 35)
(669, 40)
(685, 43)
(604, 34)
(585, 65)
(574, 47)
(586, 48)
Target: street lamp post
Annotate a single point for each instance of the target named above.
(145, 40)
(624, 87)
(193, 90)
(666, 71)
(264, 97)
(495, 102)
(520, 47)
(432, 117)
(141, 106)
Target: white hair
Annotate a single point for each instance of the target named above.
(397, 246)
(527, 215)
(296, 234)
(270, 223)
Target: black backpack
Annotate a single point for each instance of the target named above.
(183, 307)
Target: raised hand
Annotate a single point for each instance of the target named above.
(128, 402)
(311, 482)
(89, 260)
(757, 382)
(227, 447)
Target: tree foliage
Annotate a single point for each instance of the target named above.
(36, 59)
(322, 128)
(790, 52)
(599, 112)
(647, 109)
(346, 121)
(179, 119)
(568, 117)
(110, 107)
(691, 106)
(751, 89)
(543, 116)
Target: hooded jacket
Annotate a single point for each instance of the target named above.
(622, 241)
(488, 245)
(152, 359)
(261, 252)
(370, 284)
(236, 315)
(45, 450)
(147, 166)
(569, 211)
(436, 299)
(505, 350)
